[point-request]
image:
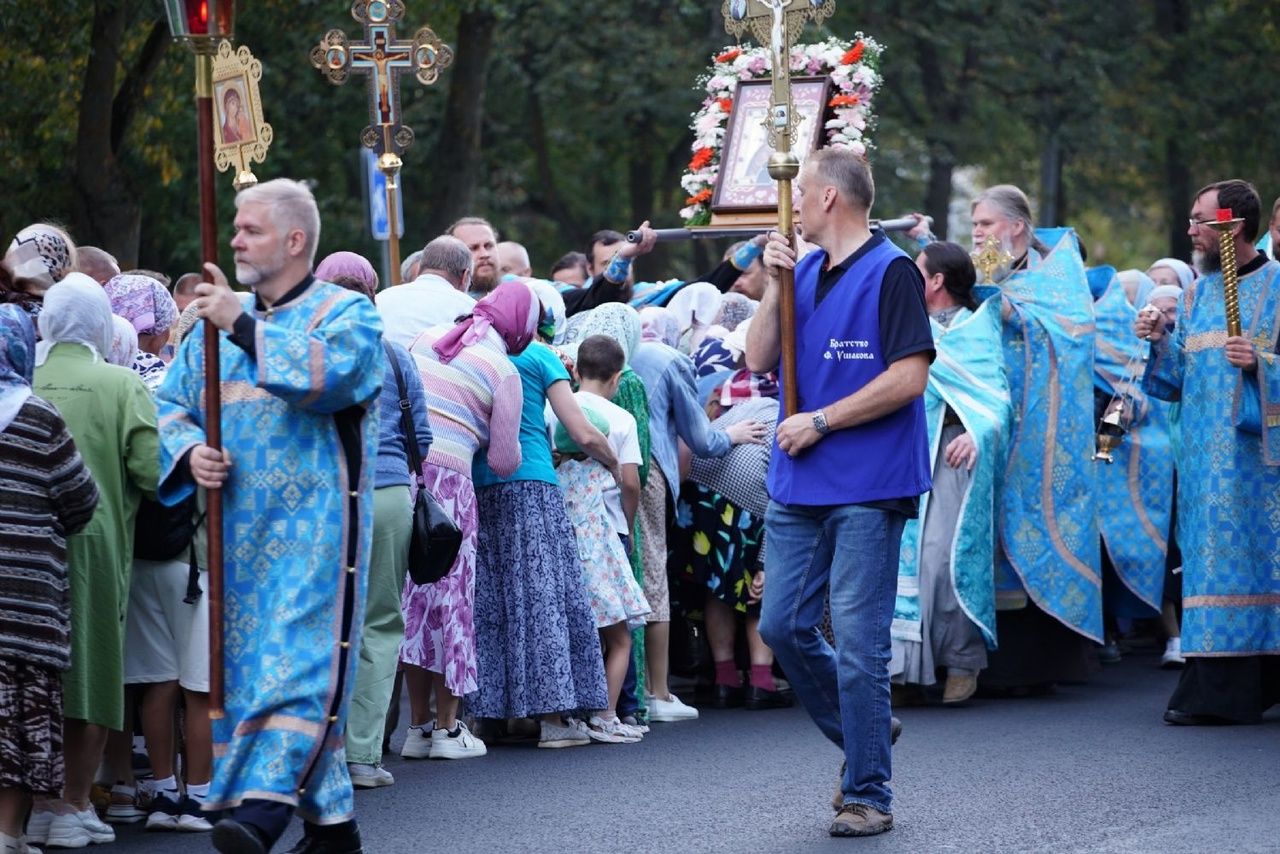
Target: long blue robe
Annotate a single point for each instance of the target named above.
(297, 526)
(1135, 493)
(968, 376)
(1228, 468)
(1048, 529)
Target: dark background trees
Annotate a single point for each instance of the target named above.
(559, 118)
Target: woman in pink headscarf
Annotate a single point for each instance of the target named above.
(475, 400)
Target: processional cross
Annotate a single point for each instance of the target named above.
(384, 58)
(778, 23)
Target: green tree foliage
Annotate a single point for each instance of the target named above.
(560, 118)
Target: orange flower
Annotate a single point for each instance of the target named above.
(726, 104)
(700, 197)
(844, 101)
(701, 158)
(853, 54)
(729, 55)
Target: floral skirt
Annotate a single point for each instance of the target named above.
(716, 547)
(439, 629)
(30, 728)
(537, 647)
(611, 587)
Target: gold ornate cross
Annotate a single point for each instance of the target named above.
(990, 258)
(776, 23)
(384, 58)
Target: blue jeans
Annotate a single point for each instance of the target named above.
(851, 551)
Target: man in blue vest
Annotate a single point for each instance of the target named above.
(847, 470)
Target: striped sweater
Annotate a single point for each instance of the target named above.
(46, 495)
(473, 402)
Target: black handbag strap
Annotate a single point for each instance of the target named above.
(406, 420)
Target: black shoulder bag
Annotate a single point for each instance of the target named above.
(435, 541)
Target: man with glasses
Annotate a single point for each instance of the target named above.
(1228, 467)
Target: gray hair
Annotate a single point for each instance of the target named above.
(409, 266)
(292, 206)
(848, 173)
(1012, 204)
(447, 255)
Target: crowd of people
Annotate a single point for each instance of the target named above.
(931, 524)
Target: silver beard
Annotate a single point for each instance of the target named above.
(1206, 262)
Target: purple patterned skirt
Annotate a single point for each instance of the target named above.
(439, 631)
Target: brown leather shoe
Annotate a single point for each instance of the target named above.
(959, 689)
(860, 820)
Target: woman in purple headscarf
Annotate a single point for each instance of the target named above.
(152, 312)
(476, 400)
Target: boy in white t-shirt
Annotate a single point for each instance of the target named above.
(602, 511)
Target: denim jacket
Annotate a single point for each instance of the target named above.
(674, 410)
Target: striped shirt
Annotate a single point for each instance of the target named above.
(473, 402)
(46, 495)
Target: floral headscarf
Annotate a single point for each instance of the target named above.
(142, 301)
(40, 256)
(618, 321)
(547, 294)
(17, 361)
(735, 308)
(76, 310)
(659, 324)
(124, 342)
(510, 310)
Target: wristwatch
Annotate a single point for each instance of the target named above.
(820, 423)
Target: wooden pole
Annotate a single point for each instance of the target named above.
(212, 380)
(787, 299)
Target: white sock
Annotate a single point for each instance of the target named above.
(198, 791)
(167, 786)
(1175, 644)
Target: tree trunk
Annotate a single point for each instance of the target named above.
(937, 196)
(1173, 22)
(106, 209)
(1051, 159)
(106, 212)
(456, 158)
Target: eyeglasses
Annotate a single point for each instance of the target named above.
(1192, 222)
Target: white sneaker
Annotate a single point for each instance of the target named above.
(1173, 658)
(67, 831)
(561, 735)
(670, 709)
(417, 742)
(459, 744)
(38, 825)
(98, 830)
(369, 776)
(611, 731)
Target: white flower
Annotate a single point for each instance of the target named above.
(835, 124)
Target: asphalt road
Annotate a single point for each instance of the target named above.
(1091, 768)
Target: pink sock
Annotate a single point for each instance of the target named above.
(762, 677)
(727, 674)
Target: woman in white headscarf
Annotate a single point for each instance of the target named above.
(1171, 271)
(112, 419)
(696, 307)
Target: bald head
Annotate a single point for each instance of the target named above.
(184, 290)
(97, 264)
(513, 259)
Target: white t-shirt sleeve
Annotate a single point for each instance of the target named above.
(627, 447)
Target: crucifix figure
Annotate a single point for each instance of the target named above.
(778, 23)
(384, 58)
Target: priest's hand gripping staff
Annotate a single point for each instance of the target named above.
(778, 23)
